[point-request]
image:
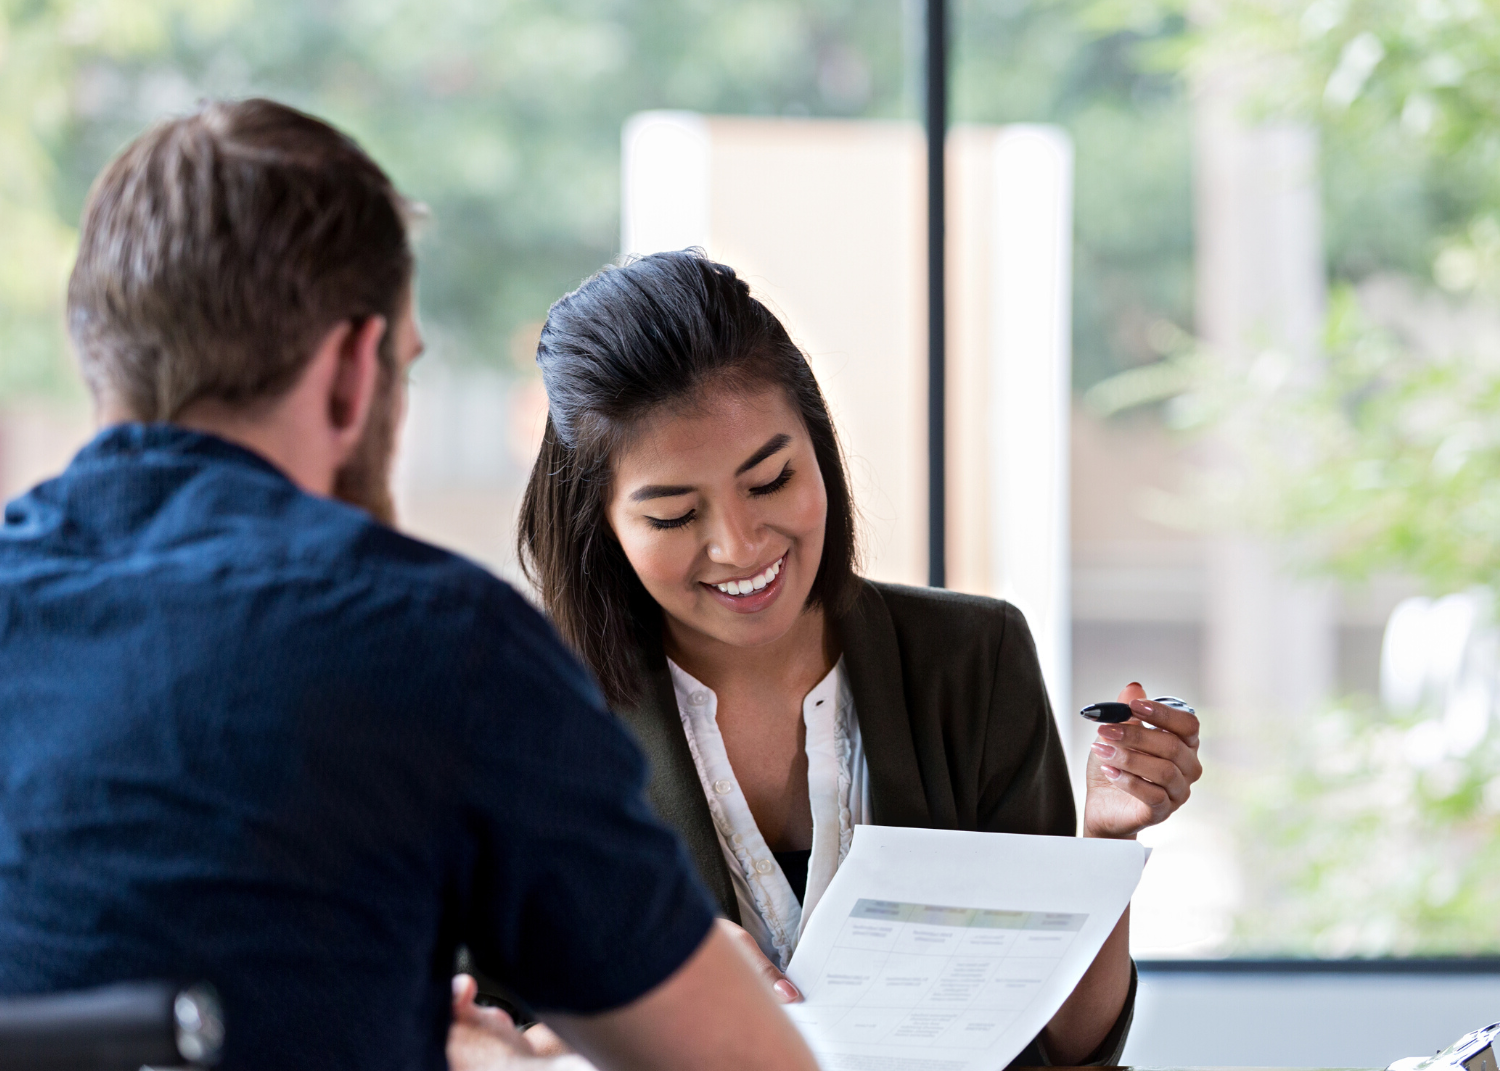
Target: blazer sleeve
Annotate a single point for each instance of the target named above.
(1025, 788)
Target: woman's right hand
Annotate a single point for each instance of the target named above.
(782, 990)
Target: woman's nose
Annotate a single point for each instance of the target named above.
(734, 539)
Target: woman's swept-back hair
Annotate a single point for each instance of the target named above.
(628, 343)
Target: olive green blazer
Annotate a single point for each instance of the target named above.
(957, 729)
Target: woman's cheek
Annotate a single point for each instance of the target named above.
(659, 564)
(812, 512)
(638, 552)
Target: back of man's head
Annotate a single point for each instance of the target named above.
(217, 249)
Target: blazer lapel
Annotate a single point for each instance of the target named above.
(674, 789)
(873, 660)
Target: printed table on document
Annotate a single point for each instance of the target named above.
(935, 977)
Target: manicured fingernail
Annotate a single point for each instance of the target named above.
(787, 992)
(1110, 772)
(1135, 684)
(1104, 751)
(1112, 732)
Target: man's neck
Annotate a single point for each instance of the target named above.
(267, 429)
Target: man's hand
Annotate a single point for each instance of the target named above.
(1138, 775)
(712, 1012)
(486, 1039)
(782, 990)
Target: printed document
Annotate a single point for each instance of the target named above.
(938, 950)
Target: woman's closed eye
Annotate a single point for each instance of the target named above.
(664, 523)
(775, 485)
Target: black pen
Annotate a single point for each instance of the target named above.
(1115, 712)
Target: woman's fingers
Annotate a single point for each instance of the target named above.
(1160, 772)
(1132, 736)
(784, 991)
(1152, 795)
(1177, 722)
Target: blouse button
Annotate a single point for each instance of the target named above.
(698, 698)
(737, 839)
(763, 866)
(723, 786)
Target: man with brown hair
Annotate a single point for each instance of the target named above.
(251, 734)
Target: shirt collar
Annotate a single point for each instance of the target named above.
(133, 440)
(697, 700)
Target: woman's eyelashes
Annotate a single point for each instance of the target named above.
(775, 485)
(664, 523)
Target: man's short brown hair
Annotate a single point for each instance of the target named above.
(217, 249)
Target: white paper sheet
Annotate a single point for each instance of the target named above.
(936, 950)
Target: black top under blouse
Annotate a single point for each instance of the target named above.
(794, 866)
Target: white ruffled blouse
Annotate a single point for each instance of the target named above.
(838, 786)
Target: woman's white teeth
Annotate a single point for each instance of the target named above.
(755, 583)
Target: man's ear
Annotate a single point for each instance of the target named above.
(356, 374)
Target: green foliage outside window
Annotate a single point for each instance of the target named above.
(1362, 831)
(504, 118)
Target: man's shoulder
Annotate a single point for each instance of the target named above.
(344, 540)
(205, 528)
(400, 588)
(431, 587)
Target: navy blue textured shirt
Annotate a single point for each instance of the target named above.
(251, 736)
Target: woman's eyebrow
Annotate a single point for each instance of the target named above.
(657, 490)
(774, 443)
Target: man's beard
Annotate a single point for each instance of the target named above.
(365, 479)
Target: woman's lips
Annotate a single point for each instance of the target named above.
(756, 600)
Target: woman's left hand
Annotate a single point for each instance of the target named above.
(1138, 775)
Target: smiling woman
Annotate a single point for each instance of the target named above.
(688, 524)
(656, 362)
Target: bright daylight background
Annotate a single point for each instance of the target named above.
(1285, 349)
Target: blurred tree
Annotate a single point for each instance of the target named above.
(42, 48)
(1095, 71)
(1375, 831)
(1388, 458)
(505, 119)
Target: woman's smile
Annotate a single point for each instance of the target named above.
(749, 594)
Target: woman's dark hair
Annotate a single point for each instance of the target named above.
(628, 342)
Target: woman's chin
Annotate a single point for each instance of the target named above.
(746, 629)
